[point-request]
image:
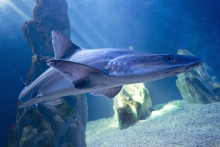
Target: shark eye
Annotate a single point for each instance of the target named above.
(169, 57)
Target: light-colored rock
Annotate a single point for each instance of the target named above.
(132, 104)
(199, 85)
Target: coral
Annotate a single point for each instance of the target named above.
(199, 85)
(132, 104)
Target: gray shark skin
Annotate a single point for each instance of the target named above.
(99, 71)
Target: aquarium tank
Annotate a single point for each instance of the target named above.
(110, 73)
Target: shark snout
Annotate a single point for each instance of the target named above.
(199, 61)
(188, 63)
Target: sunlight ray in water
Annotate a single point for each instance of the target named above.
(19, 11)
(3, 3)
(80, 30)
(7, 7)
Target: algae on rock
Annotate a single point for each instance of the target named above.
(199, 85)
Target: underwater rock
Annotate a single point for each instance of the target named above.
(48, 15)
(45, 125)
(199, 85)
(58, 126)
(29, 137)
(12, 136)
(51, 125)
(125, 117)
(132, 104)
(46, 139)
(38, 66)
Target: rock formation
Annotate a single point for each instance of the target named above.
(55, 126)
(132, 104)
(51, 125)
(48, 15)
(199, 85)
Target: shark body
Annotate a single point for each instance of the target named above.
(99, 71)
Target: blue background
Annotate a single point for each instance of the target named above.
(156, 26)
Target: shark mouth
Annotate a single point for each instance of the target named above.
(194, 65)
(187, 68)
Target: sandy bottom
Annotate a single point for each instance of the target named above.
(174, 124)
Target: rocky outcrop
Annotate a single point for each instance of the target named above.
(48, 15)
(37, 68)
(132, 104)
(199, 85)
(43, 126)
(51, 125)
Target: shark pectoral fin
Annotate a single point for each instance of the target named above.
(80, 75)
(53, 102)
(63, 47)
(109, 93)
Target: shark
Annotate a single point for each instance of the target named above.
(103, 71)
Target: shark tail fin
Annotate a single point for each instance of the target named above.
(63, 47)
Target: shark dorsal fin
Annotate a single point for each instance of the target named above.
(63, 47)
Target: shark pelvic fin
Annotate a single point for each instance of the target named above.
(63, 47)
(80, 75)
(109, 93)
(53, 102)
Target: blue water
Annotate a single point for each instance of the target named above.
(157, 26)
